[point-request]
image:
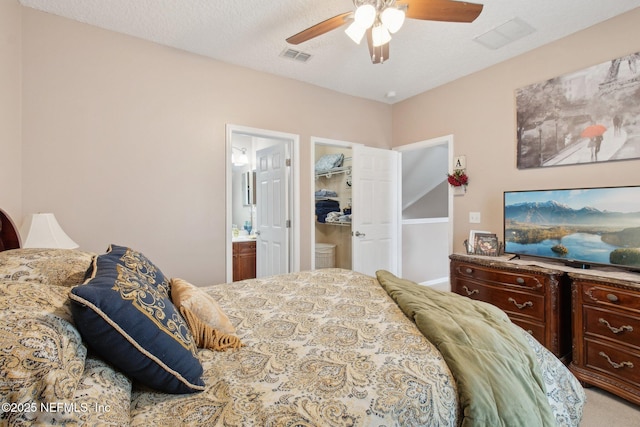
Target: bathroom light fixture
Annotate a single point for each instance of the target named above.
(239, 159)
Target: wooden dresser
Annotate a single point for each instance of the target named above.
(535, 298)
(588, 318)
(606, 333)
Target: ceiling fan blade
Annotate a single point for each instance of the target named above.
(442, 10)
(378, 54)
(321, 28)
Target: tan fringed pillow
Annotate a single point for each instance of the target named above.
(209, 325)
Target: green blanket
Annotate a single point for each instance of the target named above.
(499, 381)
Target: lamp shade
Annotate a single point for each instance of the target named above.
(43, 231)
(392, 18)
(365, 15)
(380, 35)
(356, 32)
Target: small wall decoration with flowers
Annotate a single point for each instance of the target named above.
(459, 179)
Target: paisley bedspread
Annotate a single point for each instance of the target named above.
(321, 348)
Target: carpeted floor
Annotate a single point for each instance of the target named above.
(607, 410)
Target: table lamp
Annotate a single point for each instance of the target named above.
(42, 230)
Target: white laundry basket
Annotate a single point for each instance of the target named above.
(325, 255)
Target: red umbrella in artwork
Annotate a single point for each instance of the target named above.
(593, 130)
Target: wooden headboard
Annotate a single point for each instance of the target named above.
(9, 238)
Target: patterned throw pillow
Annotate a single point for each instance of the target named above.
(124, 313)
(209, 325)
(184, 294)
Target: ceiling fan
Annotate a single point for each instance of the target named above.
(378, 19)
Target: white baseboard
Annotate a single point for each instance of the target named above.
(436, 282)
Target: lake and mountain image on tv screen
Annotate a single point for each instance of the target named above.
(589, 226)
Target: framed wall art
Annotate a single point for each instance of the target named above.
(591, 115)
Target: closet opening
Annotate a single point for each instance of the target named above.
(332, 205)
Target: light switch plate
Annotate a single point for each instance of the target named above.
(474, 217)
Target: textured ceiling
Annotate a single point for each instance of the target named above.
(252, 33)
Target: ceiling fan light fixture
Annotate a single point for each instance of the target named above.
(381, 18)
(365, 15)
(392, 18)
(356, 32)
(380, 35)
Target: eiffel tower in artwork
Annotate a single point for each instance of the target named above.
(616, 79)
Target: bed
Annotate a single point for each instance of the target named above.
(329, 347)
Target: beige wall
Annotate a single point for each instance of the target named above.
(479, 110)
(10, 157)
(125, 139)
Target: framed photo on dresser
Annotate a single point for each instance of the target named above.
(486, 244)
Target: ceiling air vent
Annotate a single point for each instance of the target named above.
(504, 34)
(295, 55)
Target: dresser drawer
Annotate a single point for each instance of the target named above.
(609, 296)
(535, 329)
(538, 299)
(524, 304)
(613, 361)
(613, 325)
(499, 277)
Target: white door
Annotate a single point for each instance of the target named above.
(272, 245)
(376, 210)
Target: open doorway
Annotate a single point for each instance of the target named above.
(427, 211)
(366, 218)
(332, 187)
(245, 208)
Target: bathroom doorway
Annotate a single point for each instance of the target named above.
(246, 204)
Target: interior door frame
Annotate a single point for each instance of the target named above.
(293, 184)
(312, 187)
(448, 140)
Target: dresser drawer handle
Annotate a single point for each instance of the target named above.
(468, 270)
(615, 330)
(520, 280)
(614, 364)
(520, 306)
(470, 292)
(612, 297)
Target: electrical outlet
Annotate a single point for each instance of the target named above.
(474, 217)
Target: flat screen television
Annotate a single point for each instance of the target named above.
(579, 226)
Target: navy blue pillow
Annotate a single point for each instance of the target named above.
(124, 313)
